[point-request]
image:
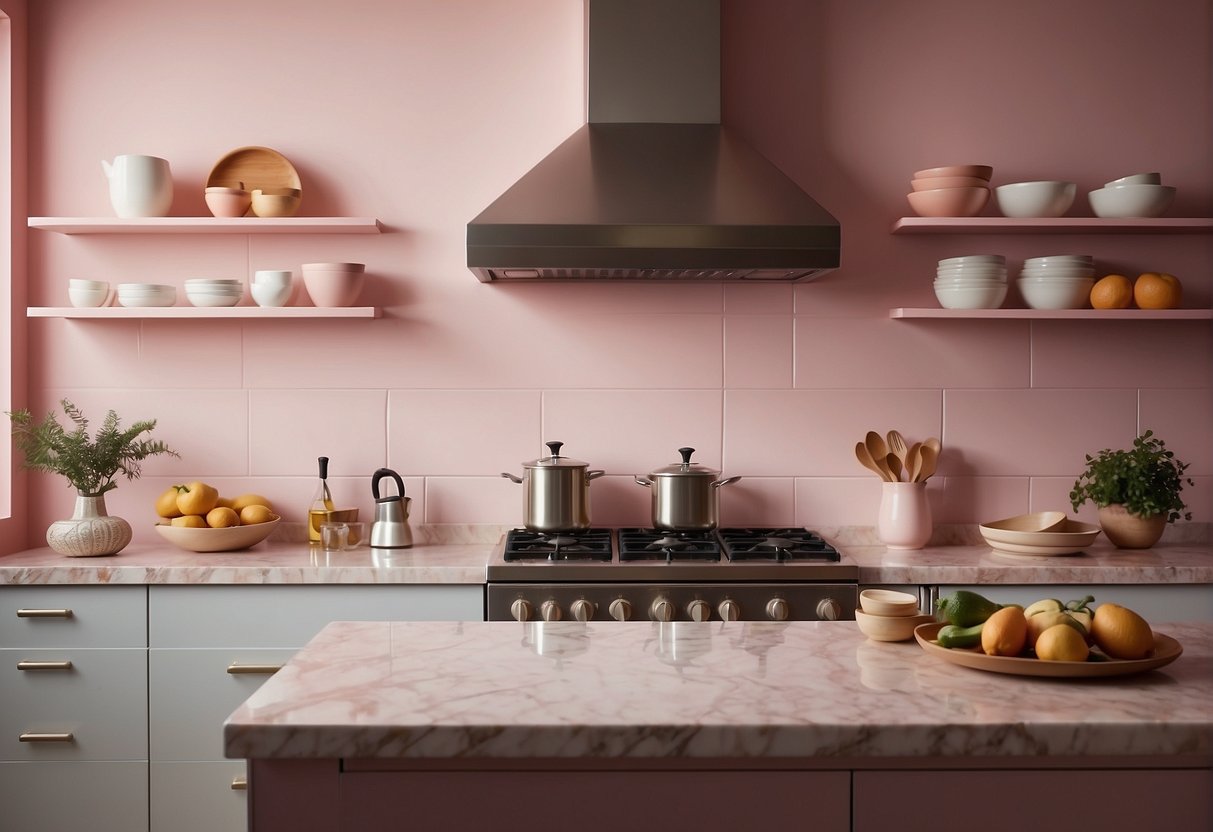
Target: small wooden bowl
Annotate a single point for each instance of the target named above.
(888, 602)
(890, 627)
(275, 205)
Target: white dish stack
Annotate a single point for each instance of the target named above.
(203, 291)
(1060, 281)
(1136, 195)
(146, 294)
(975, 281)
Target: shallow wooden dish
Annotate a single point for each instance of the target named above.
(217, 540)
(1166, 650)
(1062, 537)
(258, 168)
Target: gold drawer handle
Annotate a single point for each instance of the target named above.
(34, 736)
(31, 665)
(240, 784)
(266, 669)
(44, 613)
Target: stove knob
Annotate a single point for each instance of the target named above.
(582, 609)
(699, 610)
(620, 609)
(549, 611)
(729, 610)
(662, 610)
(522, 610)
(777, 609)
(828, 609)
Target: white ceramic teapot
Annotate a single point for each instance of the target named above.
(140, 186)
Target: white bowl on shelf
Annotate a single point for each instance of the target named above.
(268, 294)
(1063, 293)
(973, 260)
(146, 294)
(971, 297)
(1135, 179)
(1048, 198)
(1131, 200)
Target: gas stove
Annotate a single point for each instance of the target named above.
(633, 573)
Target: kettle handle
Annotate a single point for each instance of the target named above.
(380, 474)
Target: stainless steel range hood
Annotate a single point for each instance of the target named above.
(653, 187)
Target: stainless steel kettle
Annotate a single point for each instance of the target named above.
(391, 527)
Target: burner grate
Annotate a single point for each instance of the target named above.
(785, 544)
(670, 547)
(558, 547)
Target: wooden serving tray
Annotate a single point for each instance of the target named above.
(1166, 650)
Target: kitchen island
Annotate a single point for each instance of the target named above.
(710, 725)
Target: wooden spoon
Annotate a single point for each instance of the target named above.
(897, 444)
(880, 452)
(894, 463)
(929, 458)
(913, 462)
(865, 459)
(932, 442)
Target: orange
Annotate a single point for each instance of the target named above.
(1005, 632)
(1121, 633)
(1157, 290)
(1113, 291)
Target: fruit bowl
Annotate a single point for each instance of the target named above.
(217, 540)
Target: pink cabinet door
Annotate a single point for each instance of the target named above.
(1177, 800)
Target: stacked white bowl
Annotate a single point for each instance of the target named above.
(88, 292)
(205, 291)
(272, 287)
(975, 281)
(1135, 195)
(146, 294)
(1059, 281)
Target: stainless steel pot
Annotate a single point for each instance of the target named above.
(556, 492)
(685, 495)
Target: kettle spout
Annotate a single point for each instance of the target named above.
(108, 168)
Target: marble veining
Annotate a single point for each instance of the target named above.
(698, 690)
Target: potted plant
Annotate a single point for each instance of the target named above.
(90, 465)
(1136, 491)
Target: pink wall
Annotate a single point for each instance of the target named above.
(421, 112)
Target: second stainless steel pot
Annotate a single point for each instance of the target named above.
(556, 492)
(685, 495)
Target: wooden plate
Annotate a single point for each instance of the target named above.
(256, 167)
(1026, 550)
(1166, 650)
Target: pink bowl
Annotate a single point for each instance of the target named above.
(930, 183)
(979, 171)
(228, 202)
(949, 202)
(332, 287)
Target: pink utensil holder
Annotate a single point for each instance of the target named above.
(905, 515)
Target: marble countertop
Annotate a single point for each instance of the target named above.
(699, 690)
(458, 554)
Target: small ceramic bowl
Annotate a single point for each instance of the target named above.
(1135, 179)
(1132, 200)
(266, 294)
(976, 171)
(228, 202)
(971, 296)
(1062, 293)
(1035, 199)
(949, 202)
(85, 297)
(333, 284)
(273, 277)
(276, 204)
(934, 182)
(888, 602)
(890, 627)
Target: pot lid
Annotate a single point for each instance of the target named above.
(555, 460)
(686, 468)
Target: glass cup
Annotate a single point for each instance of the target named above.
(334, 536)
(357, 535)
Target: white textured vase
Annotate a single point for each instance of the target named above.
(905, 515)
(90, 532)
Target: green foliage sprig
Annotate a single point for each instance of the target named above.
(1146, 480)
(90, 465)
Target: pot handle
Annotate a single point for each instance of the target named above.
(645, 482)
(512, 478)
(379, 475)
(594, 474)
(729, 481)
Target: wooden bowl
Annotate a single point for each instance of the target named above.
(217, 540)
(274, 205)
(890, 627)
(888, 602)
(252, 168)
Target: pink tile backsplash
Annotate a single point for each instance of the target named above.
(1032, 432)
(458, 381)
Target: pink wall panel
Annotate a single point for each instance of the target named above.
(421, 113)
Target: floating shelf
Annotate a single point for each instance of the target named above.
(245, 312)
(208, 225)
(1050, 225)
(1058, 314)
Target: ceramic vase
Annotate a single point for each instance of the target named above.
(904, 521)
(1128, 531)
(90, 531)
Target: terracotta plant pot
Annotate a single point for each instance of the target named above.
(90, 532)
(1128, 531)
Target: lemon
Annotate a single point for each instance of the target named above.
(240, 502)
(1121, 633)
(222, 517)
(189, 521)
(1061, 643)
(166, 503)
(1005, 632)
(253, 514)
